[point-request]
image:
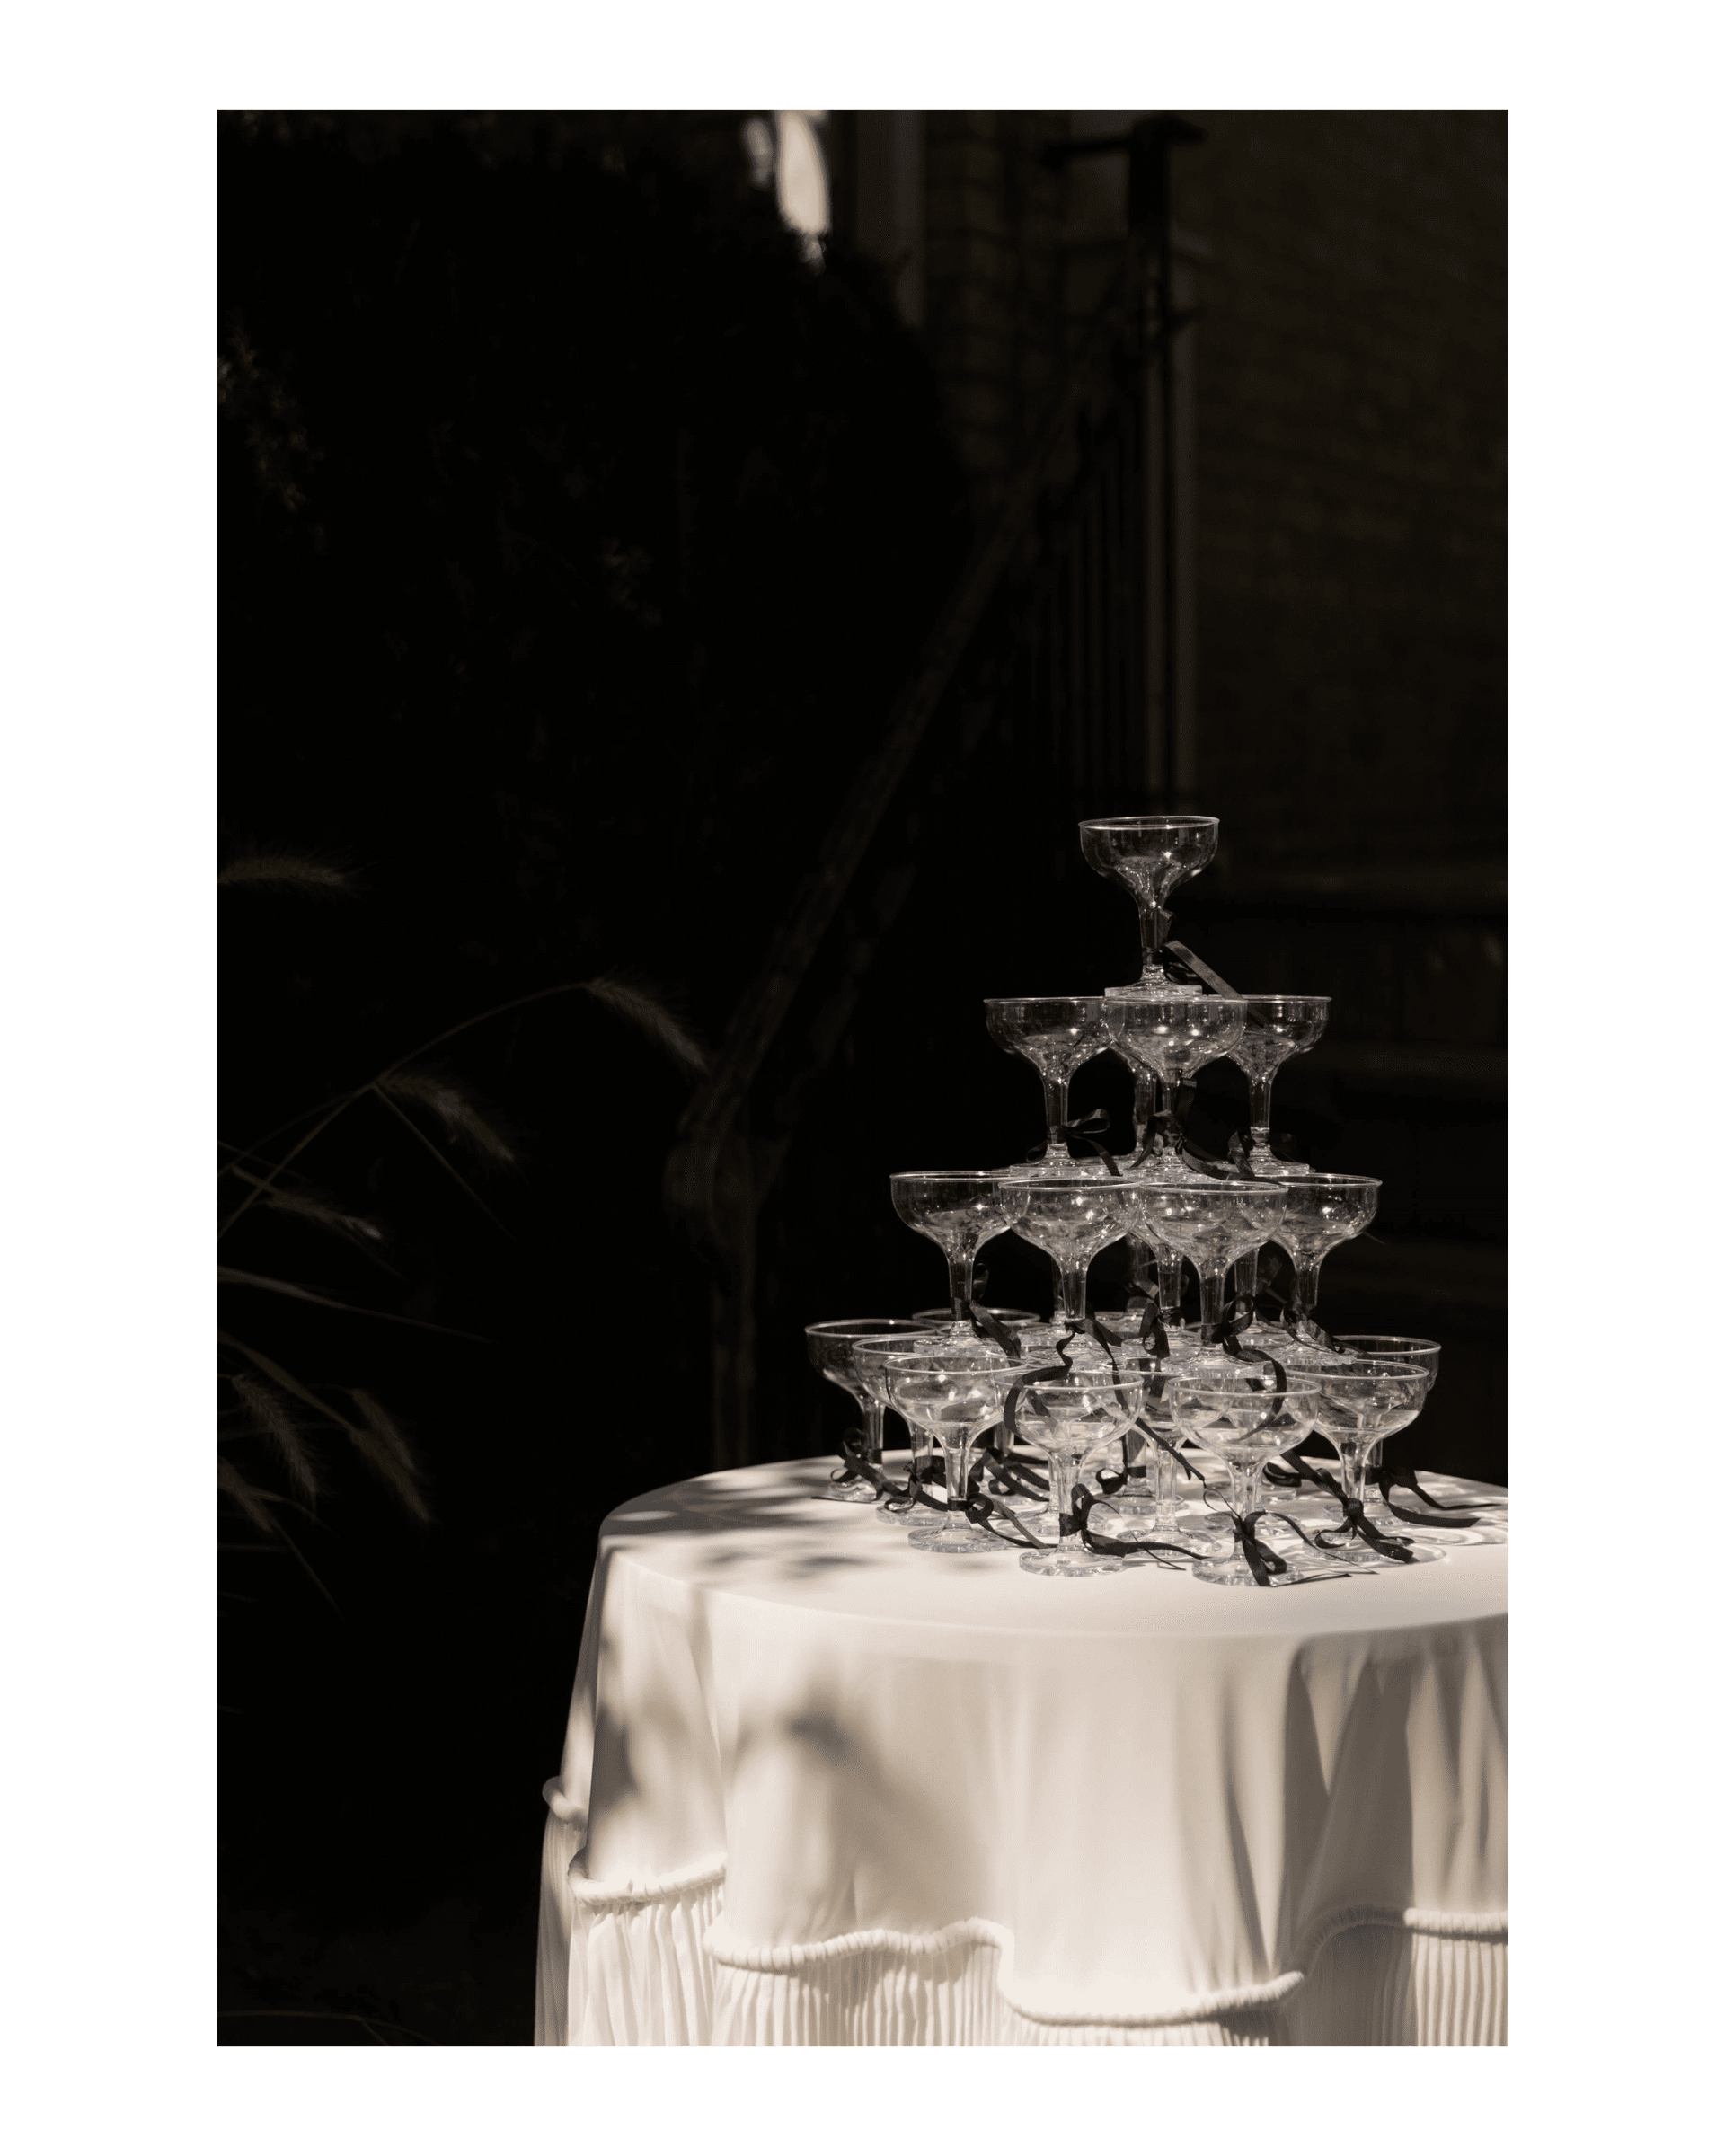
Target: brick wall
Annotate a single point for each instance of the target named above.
(1350, 467)
(1350, 457)
(996, 277)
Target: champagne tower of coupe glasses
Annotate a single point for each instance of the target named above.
(1132, 1392)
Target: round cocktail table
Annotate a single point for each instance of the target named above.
(821, 1788)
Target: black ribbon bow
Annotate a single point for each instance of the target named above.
(1264, 1563)
(1355, 1523)
(1151, 1328)
(1087, 1131)
(1084, 1503)
(896, 1497)
(1165, 1133)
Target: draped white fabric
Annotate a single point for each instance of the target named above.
(819, 1788)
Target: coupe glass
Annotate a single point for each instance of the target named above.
(870, 1361)
(1321, 1211)
(1148, 855)
(1245, 1423)
(1148, 1506)
(831, 1349)
(1055, 1034)
(1070, 1221)
(1069, 1415)
(1169, 1037)
(960, 1209)
(1394, 1347)
(1363, 1399)
(1276, 1027)
(1212, 1220)
(1401, 1348)
(953, 1395)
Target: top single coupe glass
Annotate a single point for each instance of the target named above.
(1148, 855)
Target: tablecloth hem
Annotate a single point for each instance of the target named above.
(653, 1961)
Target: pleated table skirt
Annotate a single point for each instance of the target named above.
(654, 1964)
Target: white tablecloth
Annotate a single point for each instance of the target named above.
(820, 1788)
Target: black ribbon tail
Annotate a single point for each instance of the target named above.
(1385, 1480)
(991, 1329)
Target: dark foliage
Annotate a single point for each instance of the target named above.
(575, 536)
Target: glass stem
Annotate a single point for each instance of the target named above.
(1062, 1474)
(1144, 1109)
(1054, 1110)
(1241, 1483)
(922, 1448)
(1211, 1281)
(876, 1416)
(1353, 1461)
(959, 1273)
(1153, 926)
(1144, 1265)
(1069, 1297)
(1259, 1112)
(1137, 1466)
(1306, 1286)
(1245, 1278)
(1170, 1265)
(958, 1473)
(1167, 1474)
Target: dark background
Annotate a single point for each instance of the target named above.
(576, 537)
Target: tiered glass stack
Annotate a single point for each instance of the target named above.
(1097, 1442)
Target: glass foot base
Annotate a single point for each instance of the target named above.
(1358, 1558)
(1211, 1541)
(1068, 1564)
(1154, 982)
(1309, 1508)
(1169, 1167)
(1265, 1163)
(1122, 1526)
(1433, 1531)
(964, 1541)
(1302, 1355)
(1271, 1339)
(1233, 1572)
(849, 1493)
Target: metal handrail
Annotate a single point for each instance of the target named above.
(691, 1179)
